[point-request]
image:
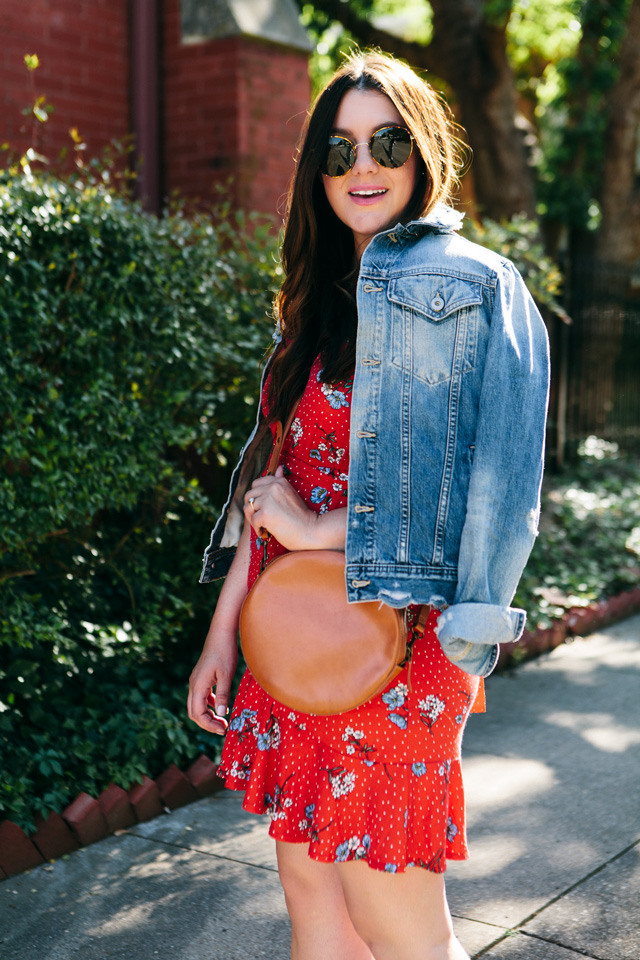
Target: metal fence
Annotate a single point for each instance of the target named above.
(596, 360)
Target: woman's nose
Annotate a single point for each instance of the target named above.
(364, 160)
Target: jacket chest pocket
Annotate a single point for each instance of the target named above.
(434, 325)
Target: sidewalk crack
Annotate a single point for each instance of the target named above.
(559, 896)
(558, 943)
(205, 853)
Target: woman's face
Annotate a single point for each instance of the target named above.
(368, 197)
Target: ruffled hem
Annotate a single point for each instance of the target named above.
(391, 815)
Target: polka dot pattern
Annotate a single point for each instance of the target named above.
(381, 783)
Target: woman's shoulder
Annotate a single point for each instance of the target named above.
(436, 251)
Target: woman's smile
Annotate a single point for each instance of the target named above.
(365, 196)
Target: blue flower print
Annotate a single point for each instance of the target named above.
(342, 852)
(238, 723)
(452, 830)
(270, 737)
(336, 399)
(315, 455)
(419, 769)
(399, 720)
(318, 494)
(390, 868)
(395, 697)
(353, 849)
(308, 811)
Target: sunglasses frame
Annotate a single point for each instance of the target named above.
(367, 143)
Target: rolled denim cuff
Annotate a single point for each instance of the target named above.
(470, 634)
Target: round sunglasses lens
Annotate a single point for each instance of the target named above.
(339, 159)
(391, 147)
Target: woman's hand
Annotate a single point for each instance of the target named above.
(272, 504)
(215, 668)
(219, 656)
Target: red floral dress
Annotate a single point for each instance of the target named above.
(381, 783)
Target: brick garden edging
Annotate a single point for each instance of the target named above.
(576, 622)
(88, 819)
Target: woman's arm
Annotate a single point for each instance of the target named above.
(501, 521)
(281, 511)
(219, 656)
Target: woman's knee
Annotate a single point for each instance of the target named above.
(304, 881)
(398, 916)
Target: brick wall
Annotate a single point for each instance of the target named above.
(273, 98)
(230, 107)
(200, 116)
(83, 49)
(233, 108)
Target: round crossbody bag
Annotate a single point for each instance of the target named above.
(305, 644)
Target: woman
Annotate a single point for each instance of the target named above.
(417, 449)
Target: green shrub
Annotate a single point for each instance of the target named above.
(589, 542)
(129, 370)
(519, 240)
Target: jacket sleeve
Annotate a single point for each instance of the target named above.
(503, 505)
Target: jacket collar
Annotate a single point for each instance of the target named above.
(440, 219)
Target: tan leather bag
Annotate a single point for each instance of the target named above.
(305, 644)
(309, 648)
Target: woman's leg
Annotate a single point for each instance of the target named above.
(320, 925)
(401, 916)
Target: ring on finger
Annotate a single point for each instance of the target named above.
(253, 506)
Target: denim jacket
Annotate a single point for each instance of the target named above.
(448, 419)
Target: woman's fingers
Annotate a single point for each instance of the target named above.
(204, 707)
(273, 504)
(219, 701)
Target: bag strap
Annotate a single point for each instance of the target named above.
(421, 622)
(281, 435)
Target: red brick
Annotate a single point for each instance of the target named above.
(85, 818)
(17, 852)
(175, 788)
(635, 596)
(116, 808)
(506, 651)
(203, 774)
(145, 800)
(580, 620)
(53, 837)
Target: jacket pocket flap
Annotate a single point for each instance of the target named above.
(434, 295)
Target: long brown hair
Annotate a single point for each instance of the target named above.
(316, 304)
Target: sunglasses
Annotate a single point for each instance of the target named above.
(390, 147)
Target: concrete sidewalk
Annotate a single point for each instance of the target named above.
(553, 787)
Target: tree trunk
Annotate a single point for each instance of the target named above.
(469, 54)
(619, 235)
(479, 73)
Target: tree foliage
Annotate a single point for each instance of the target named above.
(129, 370)
(550, 70)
